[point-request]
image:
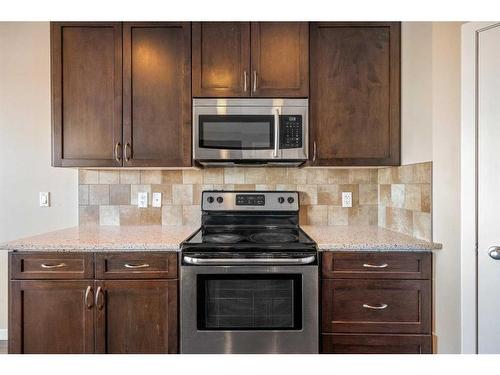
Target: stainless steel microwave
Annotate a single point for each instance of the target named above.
(250, 131)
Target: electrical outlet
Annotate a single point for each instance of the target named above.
(346, 199)
(44, 198)
(142, 199)
(156, 200)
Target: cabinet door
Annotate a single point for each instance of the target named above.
(51, 317)
(376, 344)
(86, 63)
(138, 316)
(221, 59)
(157, 94)
(280, 59)
(355, 93)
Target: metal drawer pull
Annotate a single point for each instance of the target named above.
(368, 265)
(237, 261)
(118, 157)
(50, 266)
(99, 301)
(144, 265)
(380, 306)
(254, 81)
(245, 81)
(89, 302)
(494, 252)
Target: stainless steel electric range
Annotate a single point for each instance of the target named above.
(249, 277)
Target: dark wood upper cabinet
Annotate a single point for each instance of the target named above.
(280, 59)
(86, 69)
(221, 59)
(355, 93)
(157, 94)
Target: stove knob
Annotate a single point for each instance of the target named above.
(281, 199)
(290, 200)
(220, 199)
(210, 199)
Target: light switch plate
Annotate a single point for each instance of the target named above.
(44, 198)
(346, 199)
(156, 200)
(142, 199)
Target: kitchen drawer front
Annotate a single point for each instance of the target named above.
(136, 265)
(377, 265)
(376, 344)
(376, 306)
(40, 266)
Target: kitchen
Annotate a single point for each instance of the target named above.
(239, 187)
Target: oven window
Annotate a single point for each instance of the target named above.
(249, 302)
(236, 132)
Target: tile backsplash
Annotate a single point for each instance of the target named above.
(397, 198)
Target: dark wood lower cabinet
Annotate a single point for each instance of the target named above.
(376, 344)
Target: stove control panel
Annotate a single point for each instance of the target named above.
(213, 200)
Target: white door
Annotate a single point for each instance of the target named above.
(488, 168)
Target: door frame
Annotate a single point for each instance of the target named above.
(469, 184)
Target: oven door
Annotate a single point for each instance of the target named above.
(249, 309)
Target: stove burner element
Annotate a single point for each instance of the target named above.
(223, 238)
(273, 237)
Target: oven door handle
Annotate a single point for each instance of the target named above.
(243, 262)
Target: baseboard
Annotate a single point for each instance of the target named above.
(3, 335)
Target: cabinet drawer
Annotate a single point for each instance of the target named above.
(386, 265)
(51, 266)
(138, 265)
(376, 344)
(377, 306)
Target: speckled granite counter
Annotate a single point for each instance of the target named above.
(105, 238)
(373, 238)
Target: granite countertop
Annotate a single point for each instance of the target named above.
(169, 238)
(105, 238)
(352, 237)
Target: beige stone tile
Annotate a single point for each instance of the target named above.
(308, 194)
(136, 189)
(337, 176)
(182, 194)
(109, 177)
(286, 187)
(225, 187)
(265, 187)
(171, 177)
(385, 195)
(130, 215)
(329, 195)
(88, 215)
(191, 215)
(399, 220)
(171, 215)
(363, 215)
(338, 215)
(192, 176)
(422, 225)
(213, 176)
(426, 198)
(385, 176)
(87, 176)
(130, 177)
(397, 195)
(83, 194)
(422, 173)
(99, 194)
(197, 190)
(119, 194)
(317, 176)
(354, 189)
(150, 216)
(413, 197)
(166, 193)
(243, 187)
(109, 215)
(317, 215)
(234, 175)
(371, 212)
(361, 176)
(151, 177)
(255, 175)
(275, 175)
(405, 174)
(395, 175)
(303, 215)
(368, 194)
(296, 176)
(381, 216)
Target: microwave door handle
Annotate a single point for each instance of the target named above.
(276, 132)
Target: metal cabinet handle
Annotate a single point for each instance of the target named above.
(380, 306)
(494, 252)
(89, 298)
(118, 156)
(99, 298)
(254, 81)
(276, 132)
(50, 266)
(144, 265)
(314, 151)
(128, 152)
(245, 74)
(368, 265)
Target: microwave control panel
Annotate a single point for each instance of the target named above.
(290, 131)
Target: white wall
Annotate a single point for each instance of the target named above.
(25, 144)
